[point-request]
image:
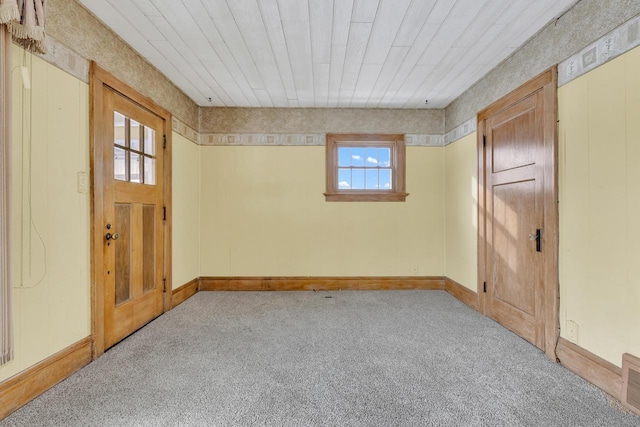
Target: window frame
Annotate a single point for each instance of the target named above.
(398, 167)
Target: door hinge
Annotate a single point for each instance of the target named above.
(484, 140)
(164, 284)
(164, 141)
(164, 213)
(484, 287)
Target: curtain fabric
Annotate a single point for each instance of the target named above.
(6, 326)
(25, 19)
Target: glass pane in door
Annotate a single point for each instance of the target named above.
(122, 252)
(134, 133)
(148, 247)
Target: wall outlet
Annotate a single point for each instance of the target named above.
(83, 182)
(572, 331)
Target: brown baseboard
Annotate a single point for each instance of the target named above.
(18, 390)
(596, 370)
(461, 292)
(319, 283)
(184, 292)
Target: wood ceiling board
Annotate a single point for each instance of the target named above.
(464, 12)
(364, 10)
(147, 8)
(326, 53)
(293, 10)
(389, 70)
(235, 42)
(366, 81)
(356, 46)
(338, 53)
(273, 27)
(387, 98)
(414, 21)
(216, 9)
(136, 17)
(412, 57)
(411, 84)
(384, 30)
(298, 38)
(250, 26)
(341, 22)
(321, 84)
(263, 98)
(225, 80)
(321, 24)
(486, 22)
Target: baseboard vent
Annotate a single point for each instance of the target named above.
(631, 382)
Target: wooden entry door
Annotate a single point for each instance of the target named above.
(133, 206)
(519, 231)
(129, 200)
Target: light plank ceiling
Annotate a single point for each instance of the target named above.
(326, 53)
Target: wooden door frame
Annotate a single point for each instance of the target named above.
(98, 78)
(547, 82)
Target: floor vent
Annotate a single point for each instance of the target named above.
(631, 382)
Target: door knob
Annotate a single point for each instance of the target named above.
(113, 236)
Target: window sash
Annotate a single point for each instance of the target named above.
(342, 190)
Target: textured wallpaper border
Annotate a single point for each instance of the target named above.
(613, 44)
(299, 139)
(461, 131)
(66, 59)
(185, 130)
(76, 65)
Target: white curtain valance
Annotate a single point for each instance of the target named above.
(25, 19)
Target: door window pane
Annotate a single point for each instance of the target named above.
(119, 130)
(122, 248)
(149, 141)
(134, 151)
(148, 247)
(149, 170)
(120, 164)
(135, 168)
(135, 129)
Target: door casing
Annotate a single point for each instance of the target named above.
(98, 79)
(547, 82)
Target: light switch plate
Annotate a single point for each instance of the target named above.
(83, 182)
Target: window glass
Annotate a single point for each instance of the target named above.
(134, 151)
(363, 169)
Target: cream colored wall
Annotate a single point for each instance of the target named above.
(461, 207)
(186, 210)
(263, 213)
(50, 229)
(599, 179)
